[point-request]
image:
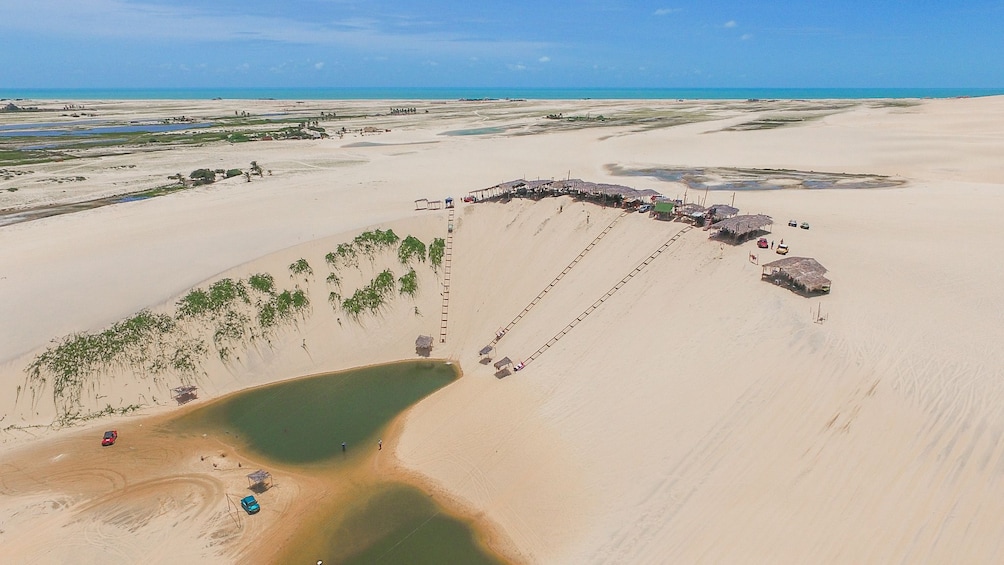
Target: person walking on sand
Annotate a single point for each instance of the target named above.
(379, 445)
(343, 446)
(772, 244)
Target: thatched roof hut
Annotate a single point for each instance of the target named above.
(502, 363)
(719, 212)
(260, 480)
(185, 394)
(423, 342)
(804, 273)
(742, 227)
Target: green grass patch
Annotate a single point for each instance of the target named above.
(411, 248)
(408, 283)
(436, 251)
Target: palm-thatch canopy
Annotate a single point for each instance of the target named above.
(804, 273)
(259, 476)
(485, 350)
(423, 342)
(721, 211)
(502, 363)
(742, 227)
(183, 394)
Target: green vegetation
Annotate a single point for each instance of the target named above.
(372, 296)
(408, 283)
(146, 343)
(27, 157)
(203, 176)
(301, 267)
(334, 279)
(262, 282)
(230, 173)
(411, 248)
(220, 295)
(344, 255)
(436, 251)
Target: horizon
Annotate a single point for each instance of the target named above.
(155, 44)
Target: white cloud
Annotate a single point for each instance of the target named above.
(517, 67)
(665, 11)
(746, 36)
(544, 59)
(319, 65)
(731, 23)
(151, 20)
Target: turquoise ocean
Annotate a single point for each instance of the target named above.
(404, 93)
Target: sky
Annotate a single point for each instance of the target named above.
(517, 43)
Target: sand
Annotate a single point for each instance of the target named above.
(698, 415)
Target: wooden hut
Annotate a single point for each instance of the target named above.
(185, 394)
(422, 204)
(663, 209)
(693, 213)
(260, 481)
(423, 345)
(742, 228)
(803, 274)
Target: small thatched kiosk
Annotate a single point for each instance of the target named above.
(691, 213)
(423, 345)
(185, 394)
(260, 481)
(719, 212)
(502, 367)
(801, 273)
(741, 228)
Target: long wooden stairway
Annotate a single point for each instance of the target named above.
(447, 271)
(648, 260)
(501, 333)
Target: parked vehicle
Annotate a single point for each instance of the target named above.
(109, 438)
(782, 249)
(805, 225)
(644, 208)
(762, 243)
(792, 224)
(250, 505)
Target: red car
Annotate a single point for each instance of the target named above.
(762, 243)
(109, 438)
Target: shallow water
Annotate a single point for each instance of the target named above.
(390, 524)
(303, 423)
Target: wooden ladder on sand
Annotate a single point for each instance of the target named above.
(501, 333)
(447, 270)
(604, 298)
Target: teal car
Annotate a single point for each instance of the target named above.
(250, 505)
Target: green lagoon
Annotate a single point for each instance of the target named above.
(302, 423)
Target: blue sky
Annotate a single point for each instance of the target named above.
(522, 43)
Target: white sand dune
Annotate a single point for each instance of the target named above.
(697, 415)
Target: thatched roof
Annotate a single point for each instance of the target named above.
(739, 226)
(805, 272)
(690, 209)
(485, 350)
(721, 211)
(259, 476)
(184, 390)
(502, 363)
(423, 342)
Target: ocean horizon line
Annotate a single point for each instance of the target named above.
(493, 93)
